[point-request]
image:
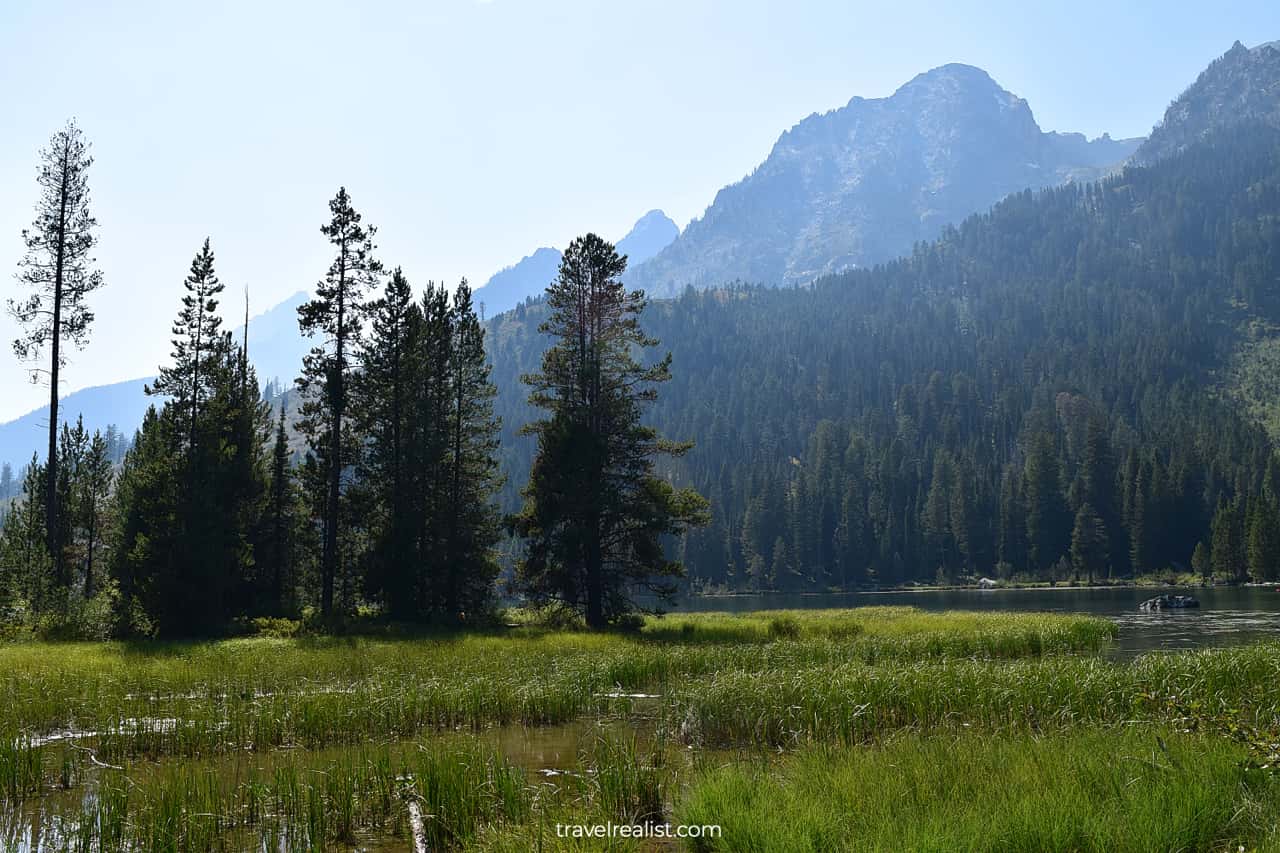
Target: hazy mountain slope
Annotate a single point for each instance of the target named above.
(509, 287)
(275, 349)
(122, 404)
(652, 233)
(530, 277)
(1242, 85)
(862, 184)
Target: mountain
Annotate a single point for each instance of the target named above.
(861, 184)
(650, 235)
(121, 403)
(516, 283)
(1241, 86)
(531, 275)
(275, 349)
(1083, 351)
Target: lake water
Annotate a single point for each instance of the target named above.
(1228, 615)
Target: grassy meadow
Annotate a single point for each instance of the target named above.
(876, 728)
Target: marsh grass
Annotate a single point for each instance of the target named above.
(1127, 789)
(630, 780)
(309, 743)
(300, 803)
(196, 700)
(855, 702)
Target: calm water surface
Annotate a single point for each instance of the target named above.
(1228, 615)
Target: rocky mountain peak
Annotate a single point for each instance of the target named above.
(1242, 85)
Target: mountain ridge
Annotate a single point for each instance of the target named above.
(275, 350)
(862, 183)
(1241, 85)
(530, 276)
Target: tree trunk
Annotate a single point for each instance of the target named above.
(88, 566)
(51, 469)
(595, 581)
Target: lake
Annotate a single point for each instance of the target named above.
(1228, 615)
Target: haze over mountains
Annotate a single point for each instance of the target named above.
(531, 275)
(275, 348)
(863, 183)
(1243, 85)
(849, 188)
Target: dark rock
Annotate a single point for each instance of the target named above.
(1169, 602)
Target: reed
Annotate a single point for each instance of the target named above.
(193, 700)
(1114, 790)
(856, 702)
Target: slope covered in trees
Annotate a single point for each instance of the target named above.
(1050, 368)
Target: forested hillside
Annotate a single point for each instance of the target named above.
(1043, 390)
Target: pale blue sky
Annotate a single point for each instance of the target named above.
(473, 132)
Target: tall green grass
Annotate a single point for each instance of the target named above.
(200, 699)
(1108, 791)
(299, 803)
(855, 702)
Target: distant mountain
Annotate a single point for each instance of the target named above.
(275, 345)
(275, 348)
(530, 277)
(649, 236)
(1242, 85)
(862, 184)
(122, 404)
(511, 286)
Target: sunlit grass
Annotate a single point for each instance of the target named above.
(260, 694)
(1131, 789)
(855, 702)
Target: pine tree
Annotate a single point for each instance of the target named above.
(336, 315)
(1138, 524)
(1262, 541)
(95, 490)
(280, 522)
(1098, 479)
(23, 539)
(595, 511)
(1088, 543)
(935, 521)
(148, 526)
(6, 481)
(243, 429)
(191, 491)
(1201, 563)
(1047, 519)
(58, 267)
(197, 347)
(1227, 550)
(384, 399)
(431, 445)
(474, 524)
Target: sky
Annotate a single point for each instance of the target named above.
(471, 132)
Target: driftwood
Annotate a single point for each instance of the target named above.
(417, 825)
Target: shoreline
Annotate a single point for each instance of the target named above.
(1012, 588)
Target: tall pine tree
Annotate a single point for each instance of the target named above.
(336, 316)
(58, 267)
(596, 513)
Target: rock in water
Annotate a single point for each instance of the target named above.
(1169, 602)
